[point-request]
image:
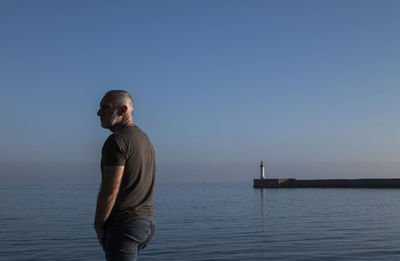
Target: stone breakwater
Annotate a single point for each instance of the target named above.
(326, 183)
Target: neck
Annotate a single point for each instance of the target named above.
(123, 122)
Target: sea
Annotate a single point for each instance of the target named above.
(209, 221)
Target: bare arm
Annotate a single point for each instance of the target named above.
(106, 199)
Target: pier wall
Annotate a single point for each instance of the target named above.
(326, 183)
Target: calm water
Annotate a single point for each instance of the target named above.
(210, 222)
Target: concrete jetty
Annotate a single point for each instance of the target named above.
(326, 183)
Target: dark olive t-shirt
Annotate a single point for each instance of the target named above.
(130, 147)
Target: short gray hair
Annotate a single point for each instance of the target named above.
(120, 98)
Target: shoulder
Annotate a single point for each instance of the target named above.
(131, 133)
(138, 131)
(115, 139)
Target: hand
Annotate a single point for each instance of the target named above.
(100, 234)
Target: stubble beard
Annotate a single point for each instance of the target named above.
(110, 122)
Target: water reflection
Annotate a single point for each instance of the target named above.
(263, 200)
(262, 203)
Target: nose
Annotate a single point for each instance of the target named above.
(99, 112)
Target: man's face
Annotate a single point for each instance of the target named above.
(108, 113)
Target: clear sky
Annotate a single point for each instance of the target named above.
(310, 87)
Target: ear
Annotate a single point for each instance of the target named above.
(123, 109)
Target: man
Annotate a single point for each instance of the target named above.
(124, 220)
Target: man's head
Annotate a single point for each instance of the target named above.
(116, 108)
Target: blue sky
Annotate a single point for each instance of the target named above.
(310, 87)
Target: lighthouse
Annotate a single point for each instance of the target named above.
(262, 176)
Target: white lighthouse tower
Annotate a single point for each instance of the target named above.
(262, 174)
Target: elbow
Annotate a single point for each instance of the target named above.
(108, 195)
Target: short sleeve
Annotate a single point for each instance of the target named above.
(114, 151)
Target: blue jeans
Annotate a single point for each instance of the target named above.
(124, 241)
